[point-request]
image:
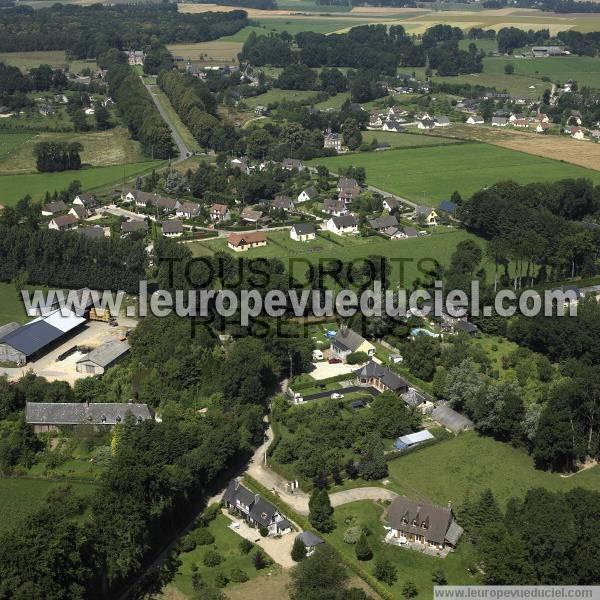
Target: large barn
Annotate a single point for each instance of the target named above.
(20, 344)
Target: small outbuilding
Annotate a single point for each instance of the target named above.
(101, 358)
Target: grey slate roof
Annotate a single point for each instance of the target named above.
(172, 227)
(236, 491)
(348, 339)
(437, 519)
(134, 225)
(413, 398)
(92, 232)
(410, 232)
(383, 222)
(388, 378)
(304, 228)
(309, 539)
(311, 191)
(262, 511)
(87, 199)
(344, 221)
(81, 413)
(55, 207)
(106, 354)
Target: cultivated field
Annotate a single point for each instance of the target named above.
(437, 247)
(406, 140)
(583, 153)
(470, 463)
(13, 187)
(431, 174)
(218, 52)
(102, 148)
(54, 58)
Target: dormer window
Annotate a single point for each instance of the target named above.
(414, 522)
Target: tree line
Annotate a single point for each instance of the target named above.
(87, 31)
(135, 106)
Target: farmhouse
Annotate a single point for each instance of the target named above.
(577, 133)
(250, 215)
(255, 509)
(22, 344)
(101, 358)
(49, 416)
(393, 233)
(499, 121)
(335, 207)
(172, 228)
(53, 208)
(422, 523)
(303, 232)
(426, 123)
(289, 164)
(134, 225)
(375, 119)
(380, 377)
(348, 189)
(392, 125)
(240, 242)
(64, 222)
(381, 223)
(347, 341)
(136, 57)
(545, 51)
(442, 121)
(342, 225)
(85, 199)
(426, 215)
(307, 194)
(410, 232)
(149, 200)
(219, 212)
(78, 211)
(284, 203)
(542, 127)
(475, 120)
(188, 210)
(332, 140)
(391, 204)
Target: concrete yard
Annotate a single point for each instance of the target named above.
(324, 370)
(92, 334)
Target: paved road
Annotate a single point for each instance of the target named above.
(184, 151)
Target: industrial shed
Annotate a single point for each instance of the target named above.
(101, 358)
(27, 341)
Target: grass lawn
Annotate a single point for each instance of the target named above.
(429, 175)
(182, 129)
(100, 148)
(11, 305)
(438, 246)
(406, 140)
(411, 565)
(319, 24)
(227, 544)
(277, 95)
(54, 58)
(13, 187)
(469, 463)
(19, 497)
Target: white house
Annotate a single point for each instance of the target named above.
(426, 214)
(63, 223)
(426, 124)
(342, 225)
(219, 212)
(475, 120)
(172, 228)
(307, 194)
(303, 232)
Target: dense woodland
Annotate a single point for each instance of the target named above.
(370, 47)
(87, 31)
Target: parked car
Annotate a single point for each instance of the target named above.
(396, 358)
(337, 396)
(317, 355)
(334, 361)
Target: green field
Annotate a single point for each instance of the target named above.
(19, 497)
(439, 246)
(14, 187)
(100, 148)
(429, 175)
(406, 140)
(411, 565)
(470, 463)
(11, 305)
(227, 545)
(320, 24)
(583, 69)
(54, 58)
(277, 95)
